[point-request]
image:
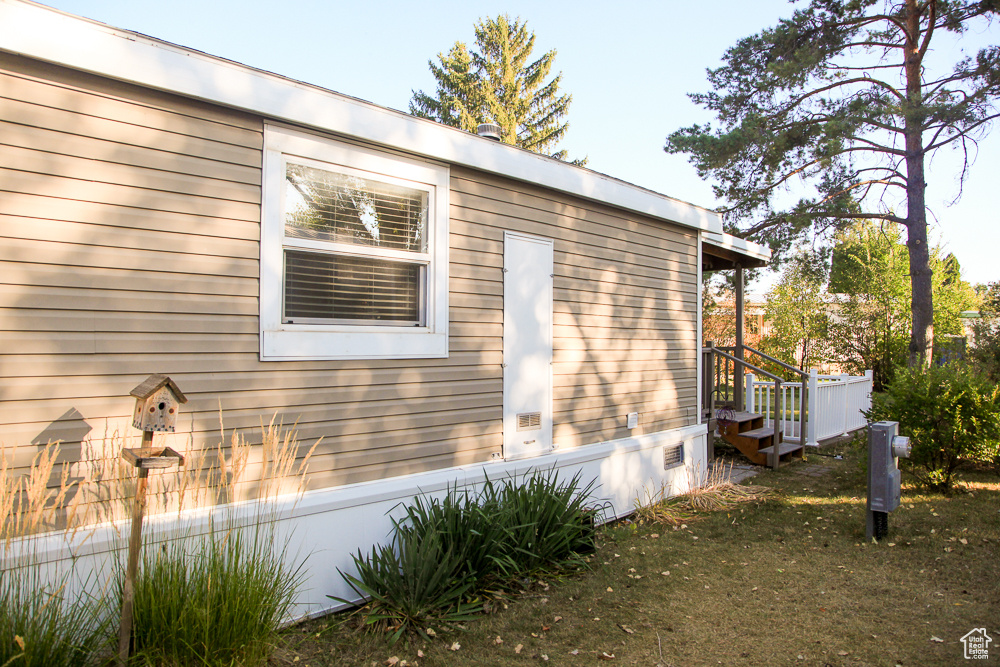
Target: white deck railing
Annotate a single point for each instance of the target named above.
(836, 404)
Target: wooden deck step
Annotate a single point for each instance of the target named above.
(758, 433)
(742, 417)
(783, 448)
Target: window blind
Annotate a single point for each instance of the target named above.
(322, 286)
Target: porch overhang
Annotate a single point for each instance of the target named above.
(722, 252)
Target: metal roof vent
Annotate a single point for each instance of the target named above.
(489, 130)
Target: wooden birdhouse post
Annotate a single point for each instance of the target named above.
(157, 401)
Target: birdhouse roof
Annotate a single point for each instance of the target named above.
(153, 384)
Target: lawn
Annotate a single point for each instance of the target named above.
(787, 580)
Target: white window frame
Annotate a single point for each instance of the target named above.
(322, 341)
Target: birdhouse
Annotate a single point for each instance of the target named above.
(157, 401)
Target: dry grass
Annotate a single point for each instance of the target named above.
(762, 582)
(717, 492)
(77, 495)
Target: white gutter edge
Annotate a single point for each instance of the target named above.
(738, 245)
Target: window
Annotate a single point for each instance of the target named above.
(354, 257)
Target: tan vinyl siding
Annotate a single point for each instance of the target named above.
(130, 227)
(625, 303)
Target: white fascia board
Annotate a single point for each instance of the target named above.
(47, 34)
(736, 244)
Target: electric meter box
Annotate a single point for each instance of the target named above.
(883, 469)
(885, 446)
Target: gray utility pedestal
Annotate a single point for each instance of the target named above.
(885, 447)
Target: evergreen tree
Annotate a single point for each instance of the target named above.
(843, 98)
(497, 84)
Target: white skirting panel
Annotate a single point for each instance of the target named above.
(327, 526)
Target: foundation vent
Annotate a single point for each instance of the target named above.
(527, 421)
(673, 456)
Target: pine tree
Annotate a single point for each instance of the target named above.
(842, 102)
(496, 84)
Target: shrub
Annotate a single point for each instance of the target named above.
(950, 412)
(545, 522)
(445, 552)
(214, 599)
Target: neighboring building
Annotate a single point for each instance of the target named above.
(436, 306)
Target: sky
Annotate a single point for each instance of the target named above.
(628, 65)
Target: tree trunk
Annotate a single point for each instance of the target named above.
(922, 300)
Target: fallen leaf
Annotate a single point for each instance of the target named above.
(611, 590)
(937, 639)
(431, 633)
(842, 653)
(545, 657)
(557, 619)
(394, 660)
(665, 573)
(517, 649)
(420, 653)
(455, 646)
(19, 641)
(627, 629)
(964, 541)
(498, 641)
(575, 651)
(546, 628)
(606, 656)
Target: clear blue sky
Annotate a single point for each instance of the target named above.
(628, 66)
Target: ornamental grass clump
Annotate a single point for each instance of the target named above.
(43, 624)
(220, 597)
(951, 414)
(214, 599)
(447, 555)
(48, 616)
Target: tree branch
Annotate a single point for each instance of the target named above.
(959, 132)
(930, 29)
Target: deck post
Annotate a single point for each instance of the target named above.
(813, 405)
(738, 352)
(707, 381)
(750, 402)
(803, 412)
(778, 426)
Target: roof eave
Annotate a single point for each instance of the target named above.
(53, 36)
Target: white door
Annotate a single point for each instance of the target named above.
(527, 346)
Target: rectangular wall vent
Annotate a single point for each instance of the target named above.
(673, 456)
(527, 421)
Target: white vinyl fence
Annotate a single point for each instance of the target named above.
(836, 404)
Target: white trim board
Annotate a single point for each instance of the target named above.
(47, 34)
(331, 524)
